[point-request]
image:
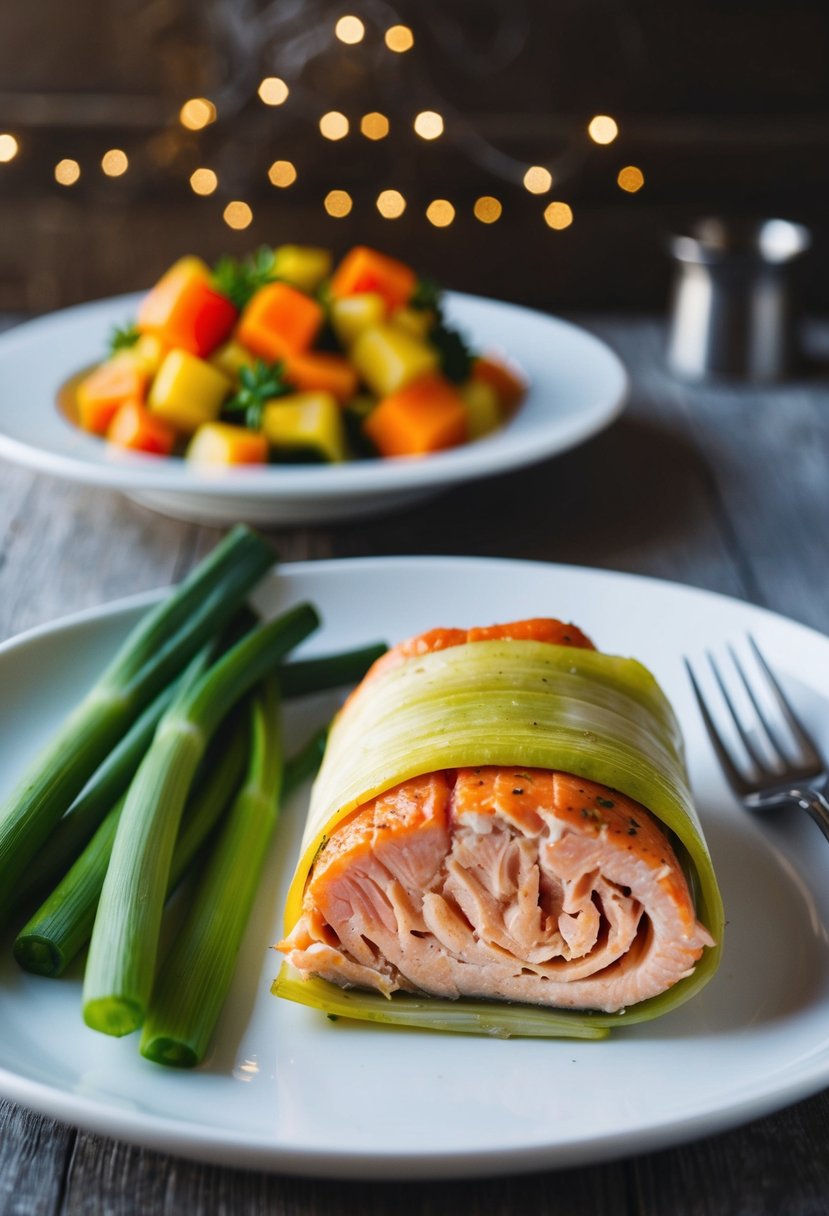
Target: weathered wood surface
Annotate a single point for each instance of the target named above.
(724, 488)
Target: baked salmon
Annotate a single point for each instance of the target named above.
(500, 882)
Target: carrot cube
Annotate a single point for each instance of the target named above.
(321, 371)
(278, 321)
(425, 416)
(364, 270)
(186, 311)
(139, 430)
(98, 396)
(508, 385)
(221, 443)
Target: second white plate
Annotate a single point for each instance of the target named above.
(285, 1089)
(577, 387)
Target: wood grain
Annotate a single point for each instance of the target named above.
(719, 487)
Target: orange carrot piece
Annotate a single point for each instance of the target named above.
(319, 371)
(186, 311)
(279, 321)
(140, 430)
(509, 387)
(425, 416)
(222, 443)
(99, 394)
(364, 269)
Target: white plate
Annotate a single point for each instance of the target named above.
(285, 1089)
(577, 387)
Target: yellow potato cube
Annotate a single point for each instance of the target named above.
(306, 420)
(231, 357)
(350, 315)
(388, 359)
(414, 321)
(149, 351)
(483, 412)
(187, 391)
(303, 266)
(221, 443)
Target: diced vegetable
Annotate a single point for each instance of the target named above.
(425, 416)
(364, 269)
(100, 394)
(279, 321)
(303, 266)
(320, 370)
(388, 359)
(306, 421)
(221, 443)
(350, 315)
(137, 429)
(483, 409)
(122, 952)
(507, 383)
(149, 351)
(187, 391)
(164, 640)
(414, 321)
(186, 311)
(230, 358)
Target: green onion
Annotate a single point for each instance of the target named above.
(306, 761)
(153, 653)
(198, 971)
(328, 671)
(122, 953)
(61, 927)
(497, 1019)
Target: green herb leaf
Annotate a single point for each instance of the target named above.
(455, 355)
(259, 385)
(427, 295)
(241, 278)
(122, 337)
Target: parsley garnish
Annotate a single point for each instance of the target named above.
(455, 356)
(240, 278)
(427, 294)
(259, 385)
(122, 337)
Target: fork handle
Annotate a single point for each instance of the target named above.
(816, 803)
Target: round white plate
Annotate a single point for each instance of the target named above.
(286, 1089)
(577, 387)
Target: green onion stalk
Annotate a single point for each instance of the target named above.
(155, 651)
(122, 953)
(197, 974)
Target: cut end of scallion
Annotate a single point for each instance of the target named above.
(172, 1052)
(39, 956)
(112, 1015)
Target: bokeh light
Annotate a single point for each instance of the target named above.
(237, 214)
(282, 173)
(196, 113)
(114, 162)
(374, 125)
(630, 179)
(338, 203)
(203, 181)
(603, 129)
(391, 204)
(428, 124)
(67, 172)
(9, 147)
(399, 38)
(350, 30)
(273, 91)
(537, 179)
(487, 209)
(334, 125)
(558, 215)
(440, 212)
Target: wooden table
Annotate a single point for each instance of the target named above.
(721, 488)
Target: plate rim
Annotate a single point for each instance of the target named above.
(487, 457)
(203, 1143)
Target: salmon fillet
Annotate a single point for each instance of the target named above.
(501, 883)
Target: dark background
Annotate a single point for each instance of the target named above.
(721, 103)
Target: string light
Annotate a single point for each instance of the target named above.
(196, 113)
(273, 91)
(428, 124)
(374, 125)
(603, 129)
(67, 172)
(338, 203)
(114, 162)
(440, 212)
(399, 38)
(487, 209)
(350, 30)
(391, 204)
(558, 215)
(237, 215)
(9, 147)
(203, 181)
(537, 179)
(630, 179)
(282, 173)
(334, 125)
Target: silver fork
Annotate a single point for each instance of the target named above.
(800, 780)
